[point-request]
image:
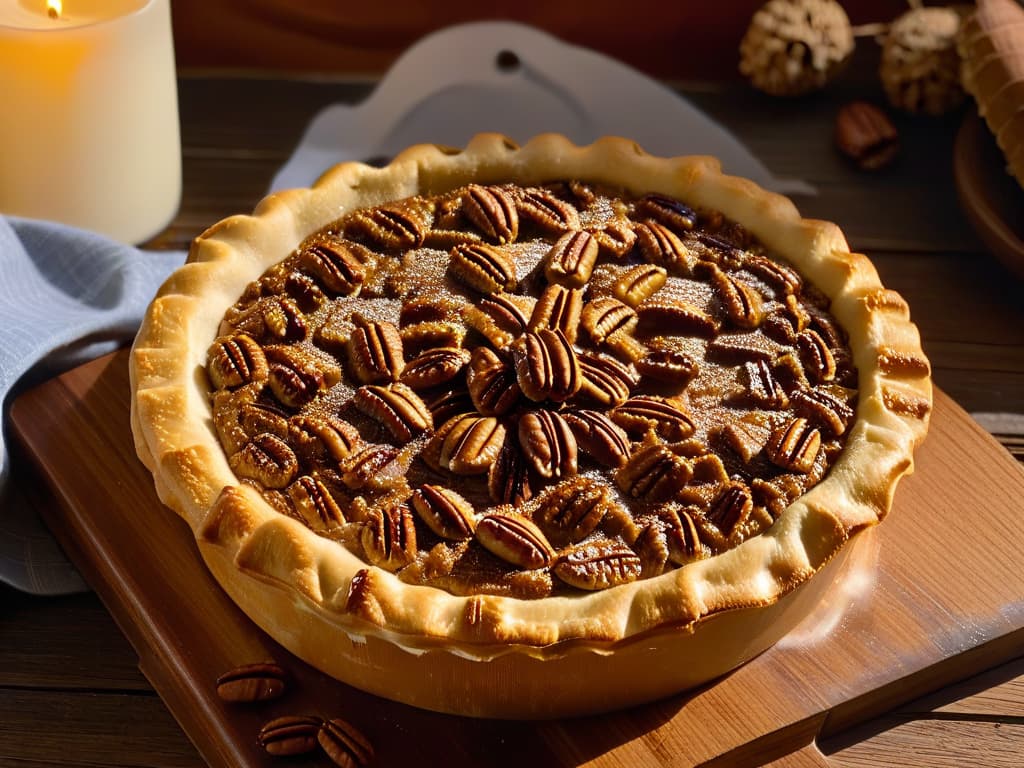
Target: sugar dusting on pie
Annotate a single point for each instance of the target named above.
(524, 405)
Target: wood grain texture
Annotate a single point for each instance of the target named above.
(892, 627)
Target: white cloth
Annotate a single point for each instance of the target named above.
(66, 296)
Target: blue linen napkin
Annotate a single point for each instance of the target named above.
(66, 297)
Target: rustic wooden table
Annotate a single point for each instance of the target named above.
(70, 689)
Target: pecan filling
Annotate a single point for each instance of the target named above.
(530, 391)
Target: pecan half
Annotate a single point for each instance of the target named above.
(483, 267)
(318, 437)
(865, 134)
(599, 437)
(558, 309)
(572, 510)
(668, 366)
(492, 211)
(500, 317)
(467, 444)
(639, 283)
(334, 266)
(604, 316)
(290, 735)
(515, 539)
(668, 211)
(742, 303)
(794, 446)
(393, 227)
(653, 473)
(825, 408)
(667, 416)
(546, 366)
(571, 259)
(731, 507)
(372, 466)
(818, 361)
(250, 683)
(389, 537)
(782, 278)
(397, 407)
(268, 459)
(344, 744)
(492, 383)
(375, 351)
(548, 212)
(615, 239)
(508, 479)
(675, 316)
(660, 245)
(605, 380)
(234, 361)
(315, 505)
(599, 564)
(435, 367)
(444, 511)
(548, 444)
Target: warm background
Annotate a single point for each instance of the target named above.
(678, 40)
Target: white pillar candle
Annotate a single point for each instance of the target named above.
(89, 115)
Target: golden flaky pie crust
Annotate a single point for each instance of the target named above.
(500, 656)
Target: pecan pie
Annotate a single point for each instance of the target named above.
(527, 431)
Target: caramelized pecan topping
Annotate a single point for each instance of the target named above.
(515, 540)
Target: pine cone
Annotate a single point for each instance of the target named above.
(795, 46)
(920, 68)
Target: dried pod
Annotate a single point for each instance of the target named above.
(435, 367)
(492, 211)
(268, 459)
(571, 259)
(375, 352)
(570, 511)
(558, 309)
(251, 683)
(315, 505)
(334, 266)
(492, 383)
(234, 361)
(515, 539)
(639, 283)
(444, 511)
(344, 744)
(599, 564)
(546, 366)
(605, 380)
(389, 537)
(290, 735)
(546, 211)
(794, 446)
(548, 444)
(599, 437)
(484, 268)
(606, 315)
(660, 245)
(402, 412)
(667, 416)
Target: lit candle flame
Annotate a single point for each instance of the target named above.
(54, 8)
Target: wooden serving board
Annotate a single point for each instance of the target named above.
(934, 594)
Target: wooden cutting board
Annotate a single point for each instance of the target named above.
(933, 595)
